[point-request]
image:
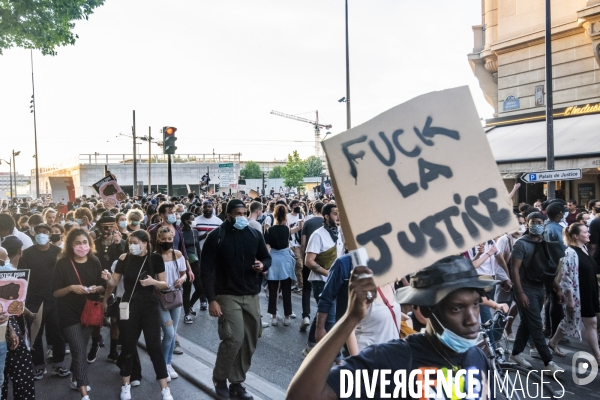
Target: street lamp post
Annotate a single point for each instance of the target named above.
(134, 158)
(348, 124)
(37, 175)
(10, 176)
(14, 165)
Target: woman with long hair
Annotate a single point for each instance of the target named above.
(77, 278)
(192, 247)
(121, 221)
(281, 272)
(579, 284)
(143, 272)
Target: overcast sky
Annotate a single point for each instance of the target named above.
(216, 69)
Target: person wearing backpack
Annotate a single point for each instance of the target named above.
(528, 275)
(233, 260)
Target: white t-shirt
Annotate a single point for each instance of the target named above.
(27, 242)
(205, 225)
(489, 265)
(319, 242)
(173, 268)
(292, 222)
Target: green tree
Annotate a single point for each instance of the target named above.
(293, 171)
(275, 172)
(251, 171)
(314, 167)
(42, 25)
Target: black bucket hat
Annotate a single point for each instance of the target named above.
(107, 218)
(433, 284)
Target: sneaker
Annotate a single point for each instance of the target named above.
(126, 392)
(67, 349)
(292, 315)
(101, 341)
(135, 383)
(188, 319)
(93, 354)
(534, 353)
(287, 321)
(305, 324)
(297, 290)
(552, 369)
(73, 385)
(221, 389)
(49, 354)
(39, 373)
(274, 321)
(112, 357)
(265, 324)
(86, 397)
(172, 372)
(178, 350)
(193, 312)
(166, 394)
(238, 391)
(203, 305)
(61, 371)
(307, 350)
(520, 360)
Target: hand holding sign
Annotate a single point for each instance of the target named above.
(430, 157)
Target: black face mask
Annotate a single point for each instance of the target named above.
(297, 210)
(166, 245)
(597, 210)
(105, 232)
(55, 237)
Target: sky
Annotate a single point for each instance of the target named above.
(215, 70)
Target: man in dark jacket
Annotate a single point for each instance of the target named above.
(234, 258)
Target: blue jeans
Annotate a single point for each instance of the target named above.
(3, 351)
(169, 321)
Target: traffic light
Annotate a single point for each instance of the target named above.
(169, 139)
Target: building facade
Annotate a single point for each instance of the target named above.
(508, 59)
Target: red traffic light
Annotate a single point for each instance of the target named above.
(170, 130)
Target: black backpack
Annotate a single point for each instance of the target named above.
(544, 262)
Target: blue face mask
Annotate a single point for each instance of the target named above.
(78, 221)
(240, 223)
(536, 229)
(171, 218)
(6, 265)
(457, 343)
(42, 239)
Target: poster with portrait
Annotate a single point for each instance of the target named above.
(110, 191)
(13, 290)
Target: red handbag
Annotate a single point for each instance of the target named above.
(92, 314)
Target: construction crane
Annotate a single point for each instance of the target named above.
(316, 124)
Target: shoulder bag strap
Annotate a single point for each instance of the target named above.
(76, 273)
(138, 277)
(390, 307)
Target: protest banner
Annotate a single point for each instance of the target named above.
(253, 193)
(418, 183)
(13, 290)
(110, 191)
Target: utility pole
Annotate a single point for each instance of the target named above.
(549, 101)
(348, 124)
(149, 159)
(14, 165)
(134, 158)
(169, 176)
(37, 170)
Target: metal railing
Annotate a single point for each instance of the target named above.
(103, 159)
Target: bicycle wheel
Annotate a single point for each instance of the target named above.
(518, 383)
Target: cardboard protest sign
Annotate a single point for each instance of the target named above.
(13, 290)
(418, 183)
(110, 191)
(253, 193)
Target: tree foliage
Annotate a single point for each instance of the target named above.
(42, 24)
(314, 167)
(251, 171)
(293, 171)
(275, 172)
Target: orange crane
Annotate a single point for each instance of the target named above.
(316, 125)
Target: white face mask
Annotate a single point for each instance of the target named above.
(135, 249)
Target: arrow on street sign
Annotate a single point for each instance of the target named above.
(551, 176)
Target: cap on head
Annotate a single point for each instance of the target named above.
(39, 227)
(536, 214)
(235, 203)
(12, 242)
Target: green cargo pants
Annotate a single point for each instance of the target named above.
(239, 329)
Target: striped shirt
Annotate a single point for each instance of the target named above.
(205, 225)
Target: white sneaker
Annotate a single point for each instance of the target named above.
(305, 323)
(552, 368)
(274, 321)
(126, 392)
(172, 372)
(292, 315)
(73, 385)
(520, 360)
(135, 383)
(534, 353)
(85, 398)
(287, 321)
(264, 324)
(166, 394)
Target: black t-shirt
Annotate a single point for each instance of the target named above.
(595, 238)
(414, 352)
(278, 237)
(71, 306)
(130, 267)
(41, 266)
(523, 250)
(310, 226)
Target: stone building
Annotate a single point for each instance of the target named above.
(508, 59)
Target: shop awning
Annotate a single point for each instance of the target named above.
(522, 148)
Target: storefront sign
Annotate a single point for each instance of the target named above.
(438, 188)
(574, 110)
(552, 176)
(587, 192)
(511, 103)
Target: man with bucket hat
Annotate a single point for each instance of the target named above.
(448, 293)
